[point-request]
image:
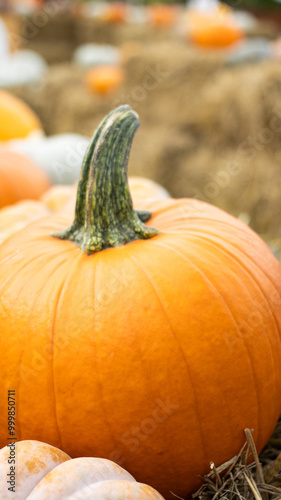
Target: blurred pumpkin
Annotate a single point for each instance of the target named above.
(60, 198)
(152, 334)
(103, 80)
(20, 178)
(115, 13)
(59, 156)
(160, 15)
(17, 120)
(92, 54)
(213, 27)
(142, 188)
(47, 473)
(23, 67)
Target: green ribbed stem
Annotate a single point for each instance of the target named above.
(104, 214)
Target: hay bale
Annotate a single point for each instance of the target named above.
(209, 132)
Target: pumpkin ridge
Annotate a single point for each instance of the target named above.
(53, 332)
(227, 251)
(100, 386)
(11, 283)
(270, 313)
(23, 229)
(57, 267)
(188, 372)
(246, 270)
(248, 258)
(65, 279)
(227, 307)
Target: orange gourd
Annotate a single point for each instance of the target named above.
(44, 472)
(115, 13)
(104, 80)
(20, 178)
(160, 15)
(17, 120)
(216, 29)
(150, 336)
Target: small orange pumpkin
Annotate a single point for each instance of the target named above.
(160, 15)
(115, 13)
(47, 473)
(104, 80)
(17, 120)
(20, 178)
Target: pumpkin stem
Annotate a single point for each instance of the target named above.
(104, 214)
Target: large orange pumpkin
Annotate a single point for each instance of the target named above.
(43, 472)
(151, 344)
(20, 178)
(17, 120)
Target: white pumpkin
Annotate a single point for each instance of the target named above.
(38, 471)
(21, 68)
(90, 54)
(60, 156)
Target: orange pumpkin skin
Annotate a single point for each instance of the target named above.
(215, 30)
(162, 15)
(45, 472)
(116, 13)
(20, 178)
(215, 36)
(15, 217)
(155, 354)
(104, 80)
(142, 188)
(17, 120)
(60, 198)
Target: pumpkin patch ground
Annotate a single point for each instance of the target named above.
(140, 275)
